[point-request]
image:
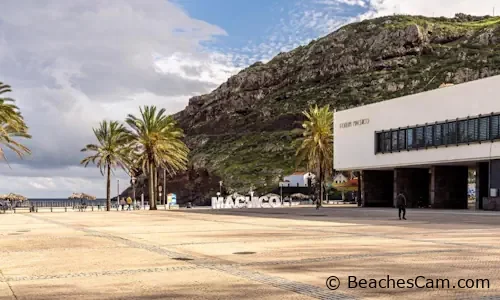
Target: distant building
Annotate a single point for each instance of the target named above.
(340, 178)
(298, 179)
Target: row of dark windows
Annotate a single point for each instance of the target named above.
(456, 132)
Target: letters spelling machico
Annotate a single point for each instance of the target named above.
(245, 202)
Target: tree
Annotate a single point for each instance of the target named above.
(157, 141)
(12, 125)
(317, 144)
(113, 150)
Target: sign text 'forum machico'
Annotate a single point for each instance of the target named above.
(246, 202)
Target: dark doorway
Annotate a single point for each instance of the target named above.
(415, 184)
(378, 188)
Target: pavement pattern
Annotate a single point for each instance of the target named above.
(285, 253)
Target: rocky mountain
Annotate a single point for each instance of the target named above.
(246, 130)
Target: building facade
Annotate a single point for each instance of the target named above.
(339, 178)
(423, 145)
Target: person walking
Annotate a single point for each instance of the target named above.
(401, 204)
(122, 203)
(129, 202)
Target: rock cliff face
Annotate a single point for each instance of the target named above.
(246, 130)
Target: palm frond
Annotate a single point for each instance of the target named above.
(12, 125)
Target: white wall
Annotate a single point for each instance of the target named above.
(301, 179)
(294, 179)
(354, 147)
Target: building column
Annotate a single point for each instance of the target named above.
(432, 187)
(396, 189)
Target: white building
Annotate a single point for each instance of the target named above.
(339, 178)
(423, 144)
(298, 179)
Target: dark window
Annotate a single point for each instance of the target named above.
(472, 128)
(446, 134)
(428, 135)
(481, 128)
(387, 141)
(462, 131)
(394, 141)
(495, 121)
(484, 129)
(452, 132)
(419, 137)
(402, 139)
(438, 131)
(380, 142)
(410, 138)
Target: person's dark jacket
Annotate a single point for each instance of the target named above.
(401, 200)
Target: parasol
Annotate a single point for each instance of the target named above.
(271, 195)
(81, 196)
(299, 195)
(13, 197)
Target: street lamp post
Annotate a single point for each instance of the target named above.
(281, 192)
(133, 179)
(160, 188)
(220, 187)
(164, 185)
(118, 194)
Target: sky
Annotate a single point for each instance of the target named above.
(74, 63)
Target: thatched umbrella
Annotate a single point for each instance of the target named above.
(299, 195)
(14, 197)
(271, 195)
(81, 196)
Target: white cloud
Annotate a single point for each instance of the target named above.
(214, 67)
(72, 64)
(446, 8)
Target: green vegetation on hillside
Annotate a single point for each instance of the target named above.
(243, 131)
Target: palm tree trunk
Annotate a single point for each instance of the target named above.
(108, 189)
(320, 180)
(156, 186)
(152, 201)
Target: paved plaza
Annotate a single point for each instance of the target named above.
(285, 253)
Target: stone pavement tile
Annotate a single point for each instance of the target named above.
(81, 260)
(5, 292)
(451, 265)
(227, 236)
(43, 242)
(475, 239)
(304, 249)
(192, 284)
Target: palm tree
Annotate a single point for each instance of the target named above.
(111, 151)
(12, 125)
(157, 143)
(317, 144)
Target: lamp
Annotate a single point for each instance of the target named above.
(160, 188)
(133, 179)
